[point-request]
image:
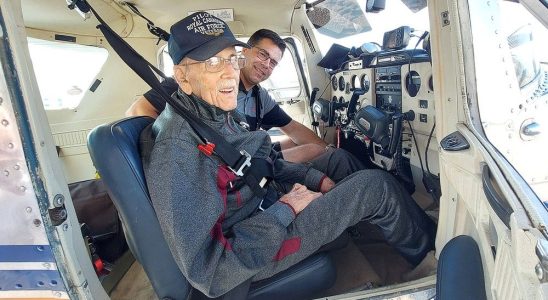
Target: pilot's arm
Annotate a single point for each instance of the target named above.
(142, 107)
(301, 135)
(151, 103)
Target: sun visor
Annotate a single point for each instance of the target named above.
(337, 20)
(237, 27)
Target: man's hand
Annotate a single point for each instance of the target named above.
(299, 197)
(327, 185)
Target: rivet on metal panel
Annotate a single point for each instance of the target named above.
(28, 209)
(53, 282)
(40, 284)
(6, 173)
(10, 145)
(47, 265)
(16, 167)
(65, 227)
(5, 122)
(58, 200)
(40, 248)
(57, 294)
(37, 222)
(18, 286)
(42, 143)
(22, 188)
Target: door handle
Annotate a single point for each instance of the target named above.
(531, 129)
(498, 203)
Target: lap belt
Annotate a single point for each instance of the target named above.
(256, 172)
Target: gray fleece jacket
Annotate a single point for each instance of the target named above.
(210, 221)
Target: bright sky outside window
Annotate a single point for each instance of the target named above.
(64, 71)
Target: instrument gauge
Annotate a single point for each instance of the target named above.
(334, 82)
(356, 84)
(365, 82)
(341, 83)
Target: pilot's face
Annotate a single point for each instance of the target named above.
(214, 81)
(262, 58)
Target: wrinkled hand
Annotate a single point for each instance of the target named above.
(327, 185)
(299, 197)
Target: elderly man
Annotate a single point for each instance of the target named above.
(217, 230)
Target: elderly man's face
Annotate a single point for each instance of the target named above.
(218, 88)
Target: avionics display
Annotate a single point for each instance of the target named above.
(388, 88)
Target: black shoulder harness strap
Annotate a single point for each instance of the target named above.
(256, 92)
(255, 172)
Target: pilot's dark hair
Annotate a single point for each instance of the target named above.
(261, 34)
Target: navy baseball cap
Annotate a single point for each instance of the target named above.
(200, 36)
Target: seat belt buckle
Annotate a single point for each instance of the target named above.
(207, 149)
(245, 163)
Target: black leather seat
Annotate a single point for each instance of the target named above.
(114, 151)
(460, 271)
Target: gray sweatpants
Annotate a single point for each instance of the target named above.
(337, 164)
(371, 195)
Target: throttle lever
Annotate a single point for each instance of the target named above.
(397, 121)
(396, 133)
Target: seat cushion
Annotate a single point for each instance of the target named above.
(305, 280)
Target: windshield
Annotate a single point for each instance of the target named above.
(395, 14)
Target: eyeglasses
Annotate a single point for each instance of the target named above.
(263, 55)
(215, 64)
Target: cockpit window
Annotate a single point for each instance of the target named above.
(409, 15)
(64, 71)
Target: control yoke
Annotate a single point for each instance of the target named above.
(376, 125)
(351, 112)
